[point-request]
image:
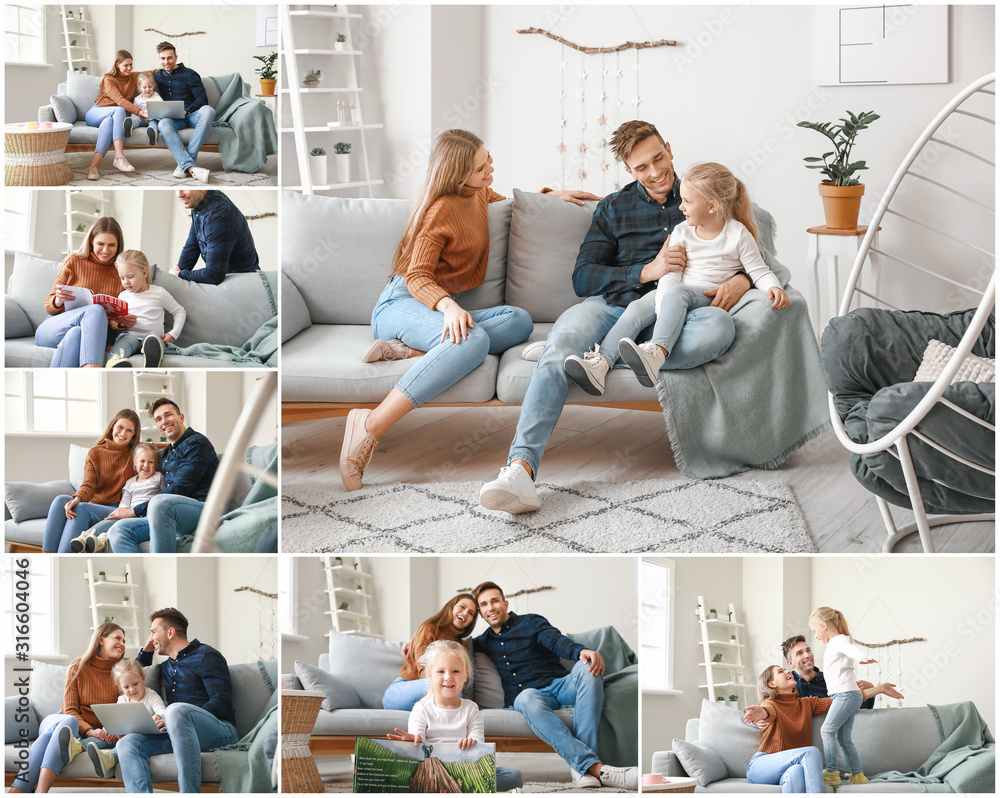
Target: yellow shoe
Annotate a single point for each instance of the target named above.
(859, 778)
(69, 745)
(831, 778)
(118, 362)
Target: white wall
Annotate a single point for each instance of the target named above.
(245, 617)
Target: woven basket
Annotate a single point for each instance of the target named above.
(22, 144)
(28, 141)
(299, 710)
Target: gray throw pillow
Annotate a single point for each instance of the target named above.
(339, 694)
(294, 313)
(382, 661)
(722, 729)
(153, 680)
(27, 500)
(47, 686)
(82, 90)
(16, 323)
(19, 721)
(64, 108)
(487, 688)
(700, 762)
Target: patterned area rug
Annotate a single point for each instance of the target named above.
(653, 515)
(146, 178)
(529, 786)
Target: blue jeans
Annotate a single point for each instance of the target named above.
(797, 770)
(707, 333)
(60, 530)
(44, 751)
(168, 517)
(126, 345)
(138, 121)
(201, 120)
(190, 730)
(837, 728)
(78, 336)
(508, 779)
(110, 122)
(398, 315)
(585, 692)
(402, 694)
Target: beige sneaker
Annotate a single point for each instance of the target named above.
(589, 371)
(118, 362)
(93, 174)
(104, 760)
(200, 173)
(122, 164)
(69, 745)
(644, 359)
(357, 450)
(386, 350)
(79, 543)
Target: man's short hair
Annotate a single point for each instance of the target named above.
(165, 46)
(484, 586)
(173, 618)
(628, 135)
(790, 643)
(163, 401)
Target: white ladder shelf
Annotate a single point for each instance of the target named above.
(349, 589)
(78, 55)
(117, 600)
(722, 650)
(148, 386)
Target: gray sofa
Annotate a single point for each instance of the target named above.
(896, 739)
(251, 694)
(78, 94)
(227, 315)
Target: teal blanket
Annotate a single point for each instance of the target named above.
(243, 125)
(259, 352)
(965, 760)
(618, 734)
(244, 767)
(758, 402)
(240, 529)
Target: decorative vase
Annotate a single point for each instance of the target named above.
(317, 169)
(841, 205)
(339, 45)
(267, 86)
(343, 168)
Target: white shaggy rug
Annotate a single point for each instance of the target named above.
(652, 515)
(147, 178)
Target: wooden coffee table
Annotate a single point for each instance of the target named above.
(675, 784)
(36, 157)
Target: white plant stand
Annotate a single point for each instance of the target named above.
(716, 638)
(348, 583)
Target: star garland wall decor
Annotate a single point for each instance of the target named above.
(590, 112)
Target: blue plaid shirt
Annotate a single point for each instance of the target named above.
(188, 466)
(221, 236)
(199, 675)
(817, 687)
(181, 84)
(526, 652)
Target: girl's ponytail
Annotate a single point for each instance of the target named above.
(742, 210)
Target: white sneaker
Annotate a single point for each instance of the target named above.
(585, 780)
(623, 778)
(180, 174)
(92, 173)
(100, 543)
(589, 371)
(200, 173)
(79, 543)
(513, 491)
(122, 164)
(644, 359)
(533, 351)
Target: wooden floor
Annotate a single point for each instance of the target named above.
(453, 444)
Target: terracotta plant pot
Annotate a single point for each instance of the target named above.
(267, 86)
(841, 205)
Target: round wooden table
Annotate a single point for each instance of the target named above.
(36, 157)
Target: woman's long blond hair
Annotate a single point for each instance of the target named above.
(120, 56)
(103, 630)
(106, 224)
(764, 691)
(717, 184)
(834, 618)
(451, 162)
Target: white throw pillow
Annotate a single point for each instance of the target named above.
(936, 357)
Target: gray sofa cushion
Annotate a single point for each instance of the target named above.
(339, 694)
(30, 283)
(15, 323)
(359, 722)
(487, 688)
(294, 313)
(382, 660)
(19, 720)
(491, 292)
(723, 730)
(700, 762)
(545, 238)
(27, 500)
(46, 689)
(64, 108)
(82, 91)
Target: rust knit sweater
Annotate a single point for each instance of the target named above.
(89, 273)
(118, 91)
(451, 248)
(107, 468)
(423, 637)
(93, 685)
(791, 721)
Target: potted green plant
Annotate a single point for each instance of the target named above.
(721, 699)
(83, 69)
(341, 42)
(72, 43)
(312, 78)
(339, 560)
(342, 151)
(734, 701)
(713, 614)
(267, 73)
(125, 599)
(717, 658)
(344, 605)
(732, 637)
(317, 166)
(80, 228)
(101, 573)
(841, 192)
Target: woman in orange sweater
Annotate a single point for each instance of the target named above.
(110, 114)
(453, 622)
(444, 251)
(80, 336)
(88, 681)
(107, 468)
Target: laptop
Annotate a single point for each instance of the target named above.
(125, 718)
(165, 109)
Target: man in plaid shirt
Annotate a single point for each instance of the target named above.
(526, 650)
(176, 82)
(199, 696)
(625, 252)
(188, 464)
(219, 235)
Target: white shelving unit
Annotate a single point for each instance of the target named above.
(314, 113)
(727, 675)
(83, 208)
(78, 28)
(148, 387)
(116, 600)
(349, 589)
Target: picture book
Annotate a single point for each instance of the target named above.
(388, 766)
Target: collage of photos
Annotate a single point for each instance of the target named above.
(486, 398)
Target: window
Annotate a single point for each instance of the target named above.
(54, 401)
(29, 618)
(24, 26)
(288, 582)
(656, 640)
(19, 220)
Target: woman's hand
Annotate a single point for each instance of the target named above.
(466, 742)
(869, 661)
(754, 714)
(68, 507)
(143, 113)
(121, 512)
(128, 320)
(779, 298)
(457, 320)
(576, 197)
(405, 737)
(100, 734)
(63, 295)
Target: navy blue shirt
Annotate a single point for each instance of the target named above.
(182, 84)
(526, 652)
(817, 687)
(199, 675)
(188, 466)
(221, 236)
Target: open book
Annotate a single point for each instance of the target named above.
(388, 766)
(82, 297)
